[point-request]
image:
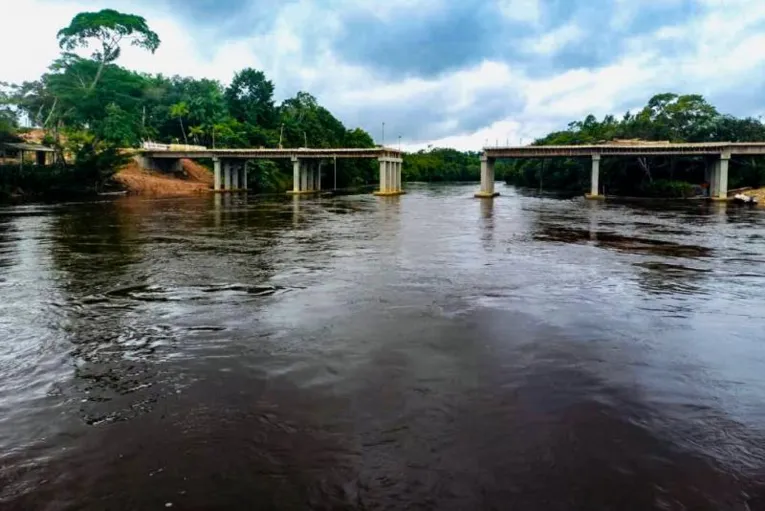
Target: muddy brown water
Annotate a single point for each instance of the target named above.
(429, 351)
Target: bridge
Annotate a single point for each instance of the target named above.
(230, 165)
(717, 154)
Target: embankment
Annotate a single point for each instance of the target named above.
(194, 179)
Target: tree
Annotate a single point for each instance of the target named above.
(179, 111)
(108, 27)
(8, 122)
(250, 98)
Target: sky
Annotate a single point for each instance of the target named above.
(447, 73)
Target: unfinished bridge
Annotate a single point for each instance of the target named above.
(716, 154)
(230, 165)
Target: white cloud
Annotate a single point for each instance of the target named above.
(554, 41)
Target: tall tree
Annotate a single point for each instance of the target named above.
(179, 111)
(108, 28)
(250, 98)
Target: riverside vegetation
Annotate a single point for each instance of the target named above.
(89, 108)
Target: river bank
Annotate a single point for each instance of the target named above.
(194, 179)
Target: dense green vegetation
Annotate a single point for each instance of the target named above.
(669, 117)
(92, 105)
(441, 164)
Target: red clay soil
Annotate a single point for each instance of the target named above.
(136, 180)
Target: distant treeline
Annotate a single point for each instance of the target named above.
(442, 164)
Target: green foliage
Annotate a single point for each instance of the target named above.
(109, 28)
(441, 164)
(98, 106)
(91, 171)
(666, 117)
(250, 98)
(666, 188)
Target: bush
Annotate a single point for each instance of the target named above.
(667, 188)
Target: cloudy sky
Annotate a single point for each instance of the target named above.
(458, 73)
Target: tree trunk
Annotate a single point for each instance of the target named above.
(646, 168)
(183, 131)
(100, 71)
(50, 114)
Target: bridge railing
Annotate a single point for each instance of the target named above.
(154, 146)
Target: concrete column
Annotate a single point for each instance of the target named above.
(487, 178)
(398, 174)
(226, 175)
(595, 177)
(714, 179)
(216, 172)
(719, 182)
(244, 176)
(304, 176)
(722, 191)
(295, 174)
(234, 177)
(318, 176)
(383, 175)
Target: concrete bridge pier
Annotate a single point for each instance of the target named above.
(595, 180)
(717, 171)
(216, 174)
(234, 177)
(390, 176)
(243, 177)
(304, 177)
(487, 179)
(226, 175)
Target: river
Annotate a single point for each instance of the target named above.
(429, 351)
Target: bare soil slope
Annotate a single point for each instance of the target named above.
(136, 180)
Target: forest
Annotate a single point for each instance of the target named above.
(90, 107)
(666, 117)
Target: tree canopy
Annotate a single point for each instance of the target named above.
(107, 28)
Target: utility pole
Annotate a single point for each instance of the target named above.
(305, 140)
(383, 134)
(281, 132)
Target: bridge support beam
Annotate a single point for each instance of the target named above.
(718, 178)
(304, 177)
(226, 175)
(595, 180)
(244, 176)
(216, 174)
(234, 177)
(390, 176)
(487, 179)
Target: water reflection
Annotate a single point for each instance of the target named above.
(426, 351)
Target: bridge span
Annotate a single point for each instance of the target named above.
(717, 155)
(230, 165)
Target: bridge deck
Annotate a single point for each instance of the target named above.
(303, 153)
(656, 149)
